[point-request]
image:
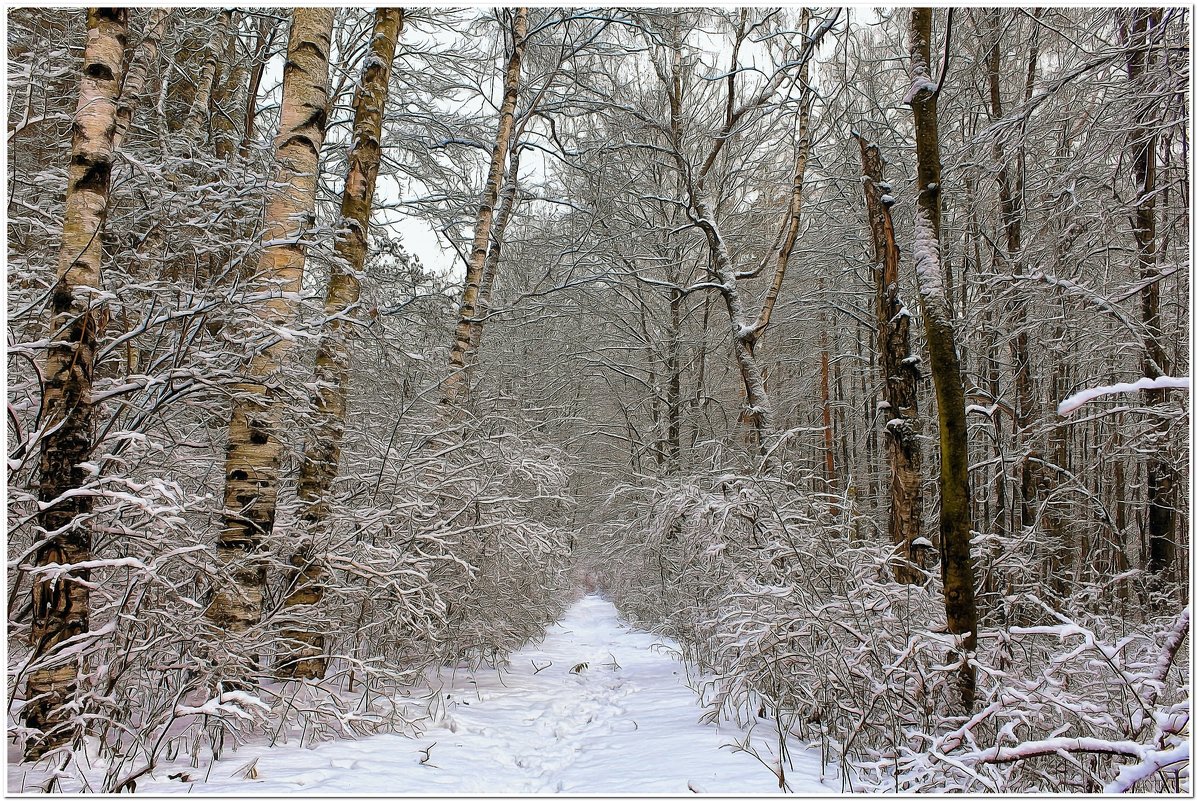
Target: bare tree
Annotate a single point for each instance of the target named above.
(468, 317)
(1136, 32)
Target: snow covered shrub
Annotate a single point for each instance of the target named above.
(801, 629)
(793, 620)
(142, 678)
(1066, 707)
(462, 562)
(510, 514)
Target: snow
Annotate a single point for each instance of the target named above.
(1076, 401)
(595, 708)
(919, 83)
(926, 257)
(231, 702)
(1153, 761)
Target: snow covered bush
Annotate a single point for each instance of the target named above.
(804, 635)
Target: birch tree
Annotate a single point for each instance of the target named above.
(255, 451)
(725, 269)
(78, 317)
(453, 389)
(134, 83)
(200, 101)
(322, 451)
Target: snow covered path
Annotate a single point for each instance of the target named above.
(604, 729)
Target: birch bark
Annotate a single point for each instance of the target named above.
(255, 450)
(322, 452)
(468, 317)
(61, 605)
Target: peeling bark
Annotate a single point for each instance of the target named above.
(899, 378)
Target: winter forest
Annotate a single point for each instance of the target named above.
(598, 400)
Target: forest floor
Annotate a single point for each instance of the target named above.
(626, 722)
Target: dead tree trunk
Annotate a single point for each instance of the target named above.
(322, 452)
(899, 378)
(61, 603)
(955, 515)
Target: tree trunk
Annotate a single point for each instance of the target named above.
(228, 99)
(673, 388)
(1026, 408)
(203, 89)
(494, 252)
(61, 604)
(468, 314)
(254, 450)
(1141, 141)
(262, 43)
(758, 411)
(322, 452)
(825, 398)
(745, 333)
(955, 516)
(134, 83)
(899, 378)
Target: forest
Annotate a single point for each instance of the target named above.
(846, 349)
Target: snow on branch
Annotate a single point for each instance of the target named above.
(1076, 401)
(926, 257)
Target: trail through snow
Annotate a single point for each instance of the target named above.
(625, 723)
